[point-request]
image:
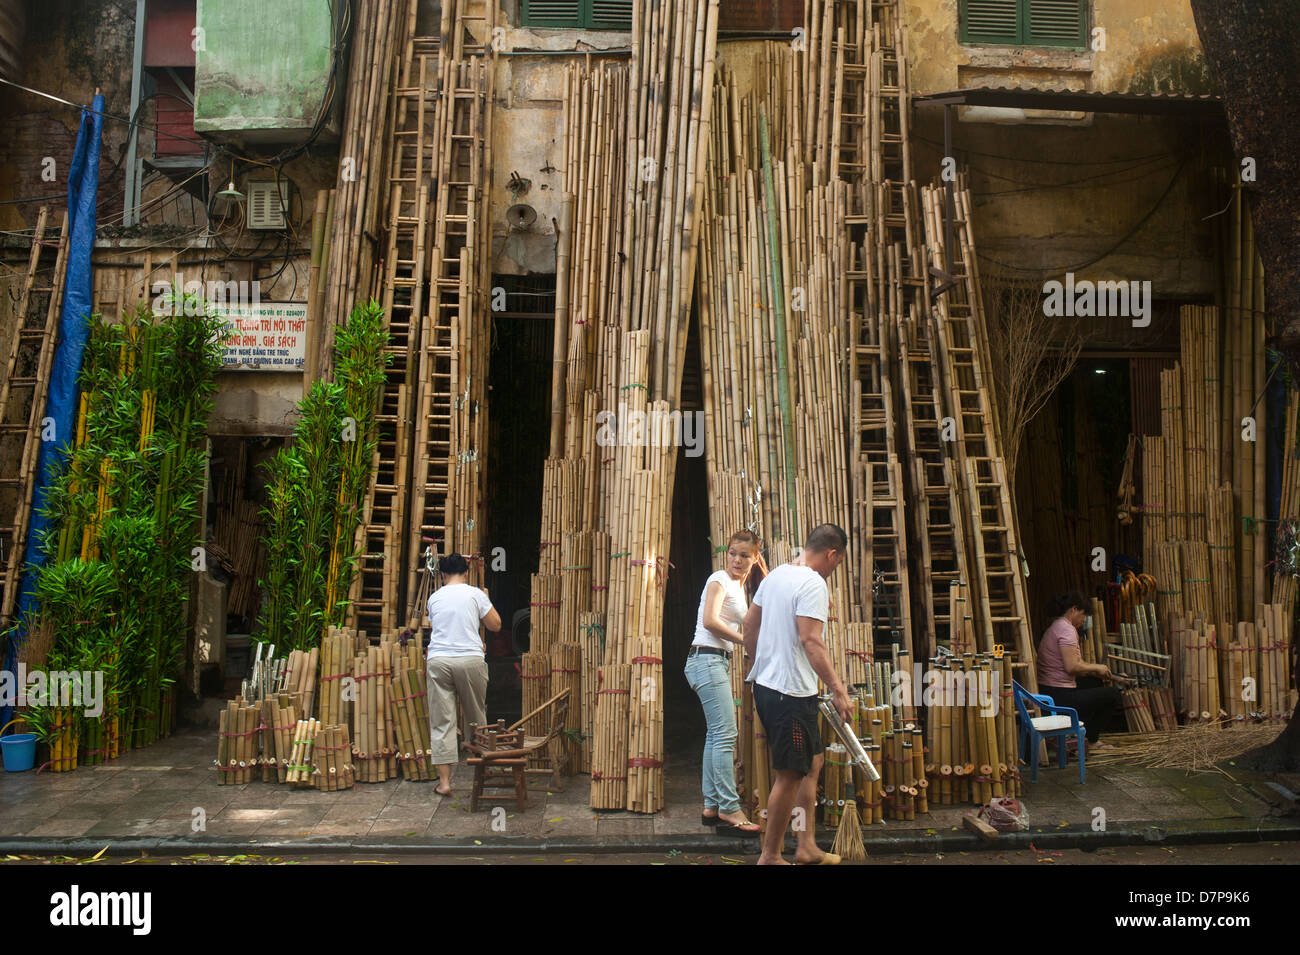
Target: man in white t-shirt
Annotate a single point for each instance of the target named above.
(783, 635)
(455, 664)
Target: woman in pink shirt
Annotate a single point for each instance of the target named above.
(1069, 681)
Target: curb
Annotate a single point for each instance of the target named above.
(1202, 832)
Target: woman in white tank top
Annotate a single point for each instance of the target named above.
(708, 671)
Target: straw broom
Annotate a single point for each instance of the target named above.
(848, 836)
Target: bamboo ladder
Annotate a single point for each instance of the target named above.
(375, 596)
(26, 384)
(445, 484)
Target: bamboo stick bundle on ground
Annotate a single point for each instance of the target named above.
(332, 767)
(591, 628)
(535, 671)
(299, 769)
(411, 730)
(566, 674)
(645, 754)
(336, 674)
(544, 626)
(609, 753)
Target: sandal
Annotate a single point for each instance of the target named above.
(743, 828)
(708, 820)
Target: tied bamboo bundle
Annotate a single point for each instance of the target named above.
(566, 674)
(609, 752)
(332, 768)
(1223, 575)
(63, 739)
(373, 737)
(299, 769)
(337, 675)
(544, 627)
(407, 701)
(1137, 711)
(279, 716)
(835, 772)
(535, 671)
(238, 730)
(645, 753)
(592, 629)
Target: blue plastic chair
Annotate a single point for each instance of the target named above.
(1031, 734)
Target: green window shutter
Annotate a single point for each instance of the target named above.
(1056, 23)
(611, 14)
(990, 21)
(552, 13)
(579, 14)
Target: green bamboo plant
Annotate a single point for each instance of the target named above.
(127, 510)
(316, 489)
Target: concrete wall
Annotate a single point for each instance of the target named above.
(262, 68)
(1150, 45)
(1053, 189)
(70, 48)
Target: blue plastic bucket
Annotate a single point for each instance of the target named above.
(18, 751)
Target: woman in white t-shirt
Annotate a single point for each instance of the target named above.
(708, 671)
(456, 665)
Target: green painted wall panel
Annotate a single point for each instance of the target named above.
(261, 68)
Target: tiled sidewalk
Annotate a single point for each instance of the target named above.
(154, 792)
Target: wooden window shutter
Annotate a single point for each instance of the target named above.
(611, 14)
(552, 13)
(1056, 23)
(990, 21)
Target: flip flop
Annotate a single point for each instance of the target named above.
(829, 858)
(748, 827)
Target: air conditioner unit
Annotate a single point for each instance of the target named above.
(266, 208)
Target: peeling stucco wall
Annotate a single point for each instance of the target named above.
(1054, 191)
(1146, 42)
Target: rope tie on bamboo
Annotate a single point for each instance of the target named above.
(599, 692)
(578, 567)
(650, 660)
(535, 676)
(336, 676)
(635, 384)
(545, 544)
(568, 669)
(600, 775)
(592, 626)
(600, 587)
(249, 733)
(644, 762)
(543, 603)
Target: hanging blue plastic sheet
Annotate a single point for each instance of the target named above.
(59, 425)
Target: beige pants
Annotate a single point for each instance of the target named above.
(450, 678)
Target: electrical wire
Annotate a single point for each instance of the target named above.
(1124, 238)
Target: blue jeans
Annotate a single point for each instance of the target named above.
(710, 677)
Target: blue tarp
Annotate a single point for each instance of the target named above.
(61, 405)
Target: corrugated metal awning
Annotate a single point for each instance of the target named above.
(1024, 97)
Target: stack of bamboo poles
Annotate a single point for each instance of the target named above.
(372, 718)
(349, 248)
(300, 754)
(338, 676)
(64, 740)
(836, 772)
(237, 743)
(409, 706)
(535, 672)
(1198, 655)
(566, 674)
(609, 768)
(332, 767)
(279, 720)
(971, 732)
(300, 679)
(592, 629)
(1255, 660)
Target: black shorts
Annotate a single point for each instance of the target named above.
(790, 723)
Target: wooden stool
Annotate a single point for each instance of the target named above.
(511, 777)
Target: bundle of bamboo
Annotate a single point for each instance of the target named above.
(566, 674)
(372, 719)
(299, 770)
(237, 743)
(609, 769)
(332, 759)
